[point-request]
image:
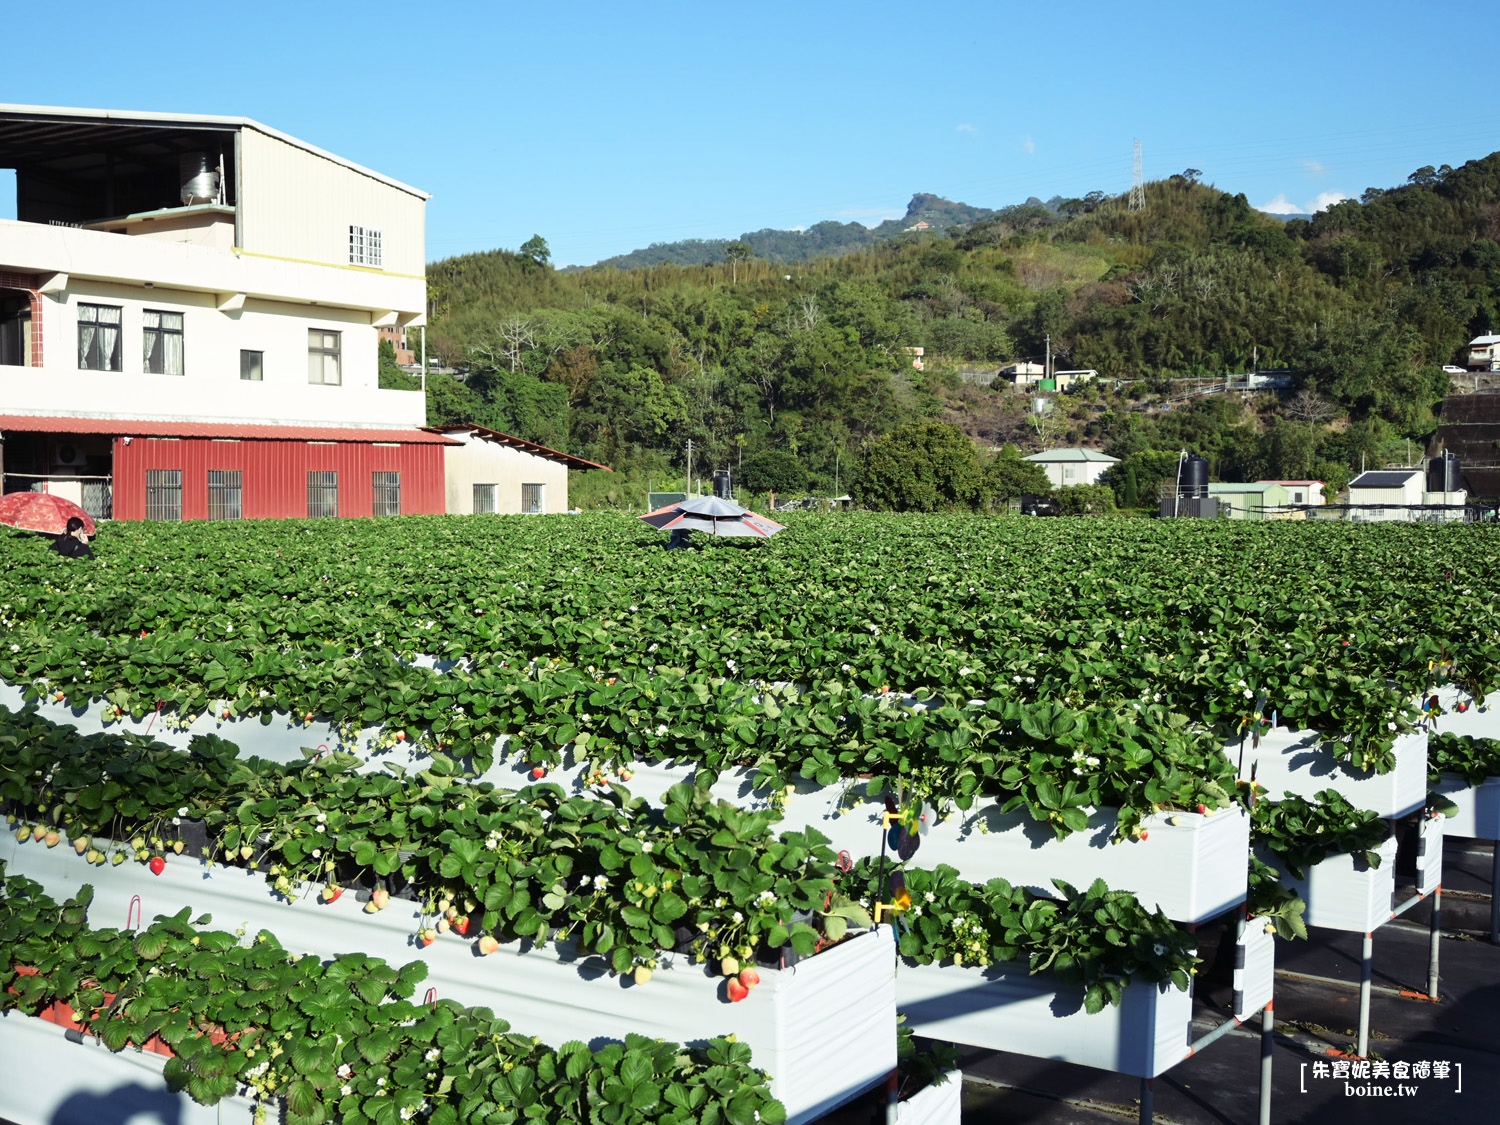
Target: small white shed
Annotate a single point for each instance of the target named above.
(491, 473)
(1073, 466)
(1383, 494)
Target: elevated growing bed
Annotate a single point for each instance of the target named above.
(822, 1028)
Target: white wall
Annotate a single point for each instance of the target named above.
(1068, 473)
(297, 204)
(210, 388)
(482, 461)
(100, 256)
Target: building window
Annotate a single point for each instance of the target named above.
(253, 366)
(387, 494)
(322, 357)
(164, 494)
(15, 331)
(322, 494)
(484, 499)
(364, 247)
(225, 495)
(163, 343)
(99, 338)
(531, 499)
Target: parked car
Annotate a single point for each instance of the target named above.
(1452, 370)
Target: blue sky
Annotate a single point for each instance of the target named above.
(605, 127)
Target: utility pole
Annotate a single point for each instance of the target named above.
(423, 330)
(690, 467)
(1047, 367)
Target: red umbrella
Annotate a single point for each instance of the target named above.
(41, 511)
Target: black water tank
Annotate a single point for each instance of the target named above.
(1443, 474)
(1194, 478)
(722, 487)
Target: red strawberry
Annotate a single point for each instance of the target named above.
(1203, 808)
(332, 893)
(539, 772)
(1144, 835)
(426, 937)
(461, 924)
(749, 978)
(737, 991)
(157, 865)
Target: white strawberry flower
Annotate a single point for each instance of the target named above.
(346, 1089)
(346, 1071)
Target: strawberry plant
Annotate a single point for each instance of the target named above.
(1269, 901)
(1473, 759)
(341, 1039)
(1097, 940)
(1303, 832)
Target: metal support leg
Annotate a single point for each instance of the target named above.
(1495, 893)
(892, 1096)
(1432, 952)
(1267, 1041)
(1367, 958)
(1148, 1109)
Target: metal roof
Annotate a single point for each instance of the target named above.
(1393, 478)
(523, 445)
(30, 134)
(1072, 455)
(123, 427)
(1477, 340)
(1255, 486)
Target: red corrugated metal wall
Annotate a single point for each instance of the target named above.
(274, 479)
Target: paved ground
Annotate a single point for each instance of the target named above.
(1317, 1010)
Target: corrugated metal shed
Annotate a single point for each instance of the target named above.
(525, 446)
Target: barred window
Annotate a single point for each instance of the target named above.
(387, 494)
(225, 495)
(322, 494)
(531, 499)
(164, 494)
(484, 499)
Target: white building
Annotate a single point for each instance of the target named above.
(1398, 494)
(1302, 491)
(1484, 353)
(1073, 466)
(493, 473)
(185, 280)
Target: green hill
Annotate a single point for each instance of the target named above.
(1365, 302)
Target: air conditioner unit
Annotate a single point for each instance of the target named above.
(69, 455)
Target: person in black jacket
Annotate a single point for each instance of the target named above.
(73, 543)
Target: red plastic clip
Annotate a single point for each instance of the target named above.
(431, 998)
(149, 725)
(136, 909)
(845, 863)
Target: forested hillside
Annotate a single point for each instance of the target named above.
(793, 376)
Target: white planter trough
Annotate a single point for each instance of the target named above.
(1254, 968)
(935, 1104)
(1480, 718)
(1343, 892)
(50, 1080)
(1478, 816)
(1296, 762)
(824, 1029)
(1003, 1008)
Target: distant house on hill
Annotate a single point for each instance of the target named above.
(920, 224)
(1073, 466)
(1484, 353)
(1022, 374)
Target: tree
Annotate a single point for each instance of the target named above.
(1192, 175)
(923, 467)
(535, 251)
(391, 376)
(734, 254)
(1010, 475)
(1085, 499)
(773, 470)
